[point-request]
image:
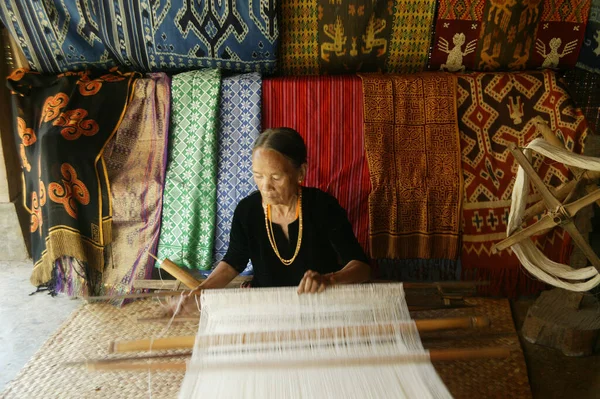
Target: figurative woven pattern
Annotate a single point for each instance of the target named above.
(327, 112)
(62, 124)
(135, 161)
(240, 116)
(146, 35)
(328, 37)
(412, 148)
(589, 57)
(497, 109)
(501, 35)
(189, 200)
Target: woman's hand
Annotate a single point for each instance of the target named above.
(314, 282)
(187, 304)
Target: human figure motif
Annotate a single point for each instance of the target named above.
(336, 33)
(454, 62)
(374, 27)
(552, 58)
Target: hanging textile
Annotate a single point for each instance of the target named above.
(63, 124)
(489, 36)
(189, 201)
(589, 57)
(327, 112)
(239, 127)
(497, 109)
(145, 35)
(412, 148)
(326, 37)
(584, 88)
(135, 161)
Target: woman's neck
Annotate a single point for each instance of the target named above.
(287, 210)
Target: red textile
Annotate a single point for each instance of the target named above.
(496, 109)
(328, 112)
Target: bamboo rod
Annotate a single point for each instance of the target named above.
(441, 284)
(186, 342)
(434, 355)
(180, 274)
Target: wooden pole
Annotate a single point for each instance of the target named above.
(186, 342)
(407, 286)
(434, 355)
(170, 267)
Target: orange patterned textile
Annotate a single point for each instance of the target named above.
(413, 151)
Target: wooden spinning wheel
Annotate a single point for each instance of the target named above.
(562, 319)
(558, 214)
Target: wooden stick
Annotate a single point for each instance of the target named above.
(546, 222)
(443, 284)
(551, 202)
(186, 342)
(180, 274)
(434, 355)
(129, 359)
(582, 244)
(187, 319)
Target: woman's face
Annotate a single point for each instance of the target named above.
(276, 177)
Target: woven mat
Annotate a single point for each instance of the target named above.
(91, 327)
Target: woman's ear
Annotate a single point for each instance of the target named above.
(302, 174)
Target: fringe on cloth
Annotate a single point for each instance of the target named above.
(135, 161)
(413, 150)
(417, 269)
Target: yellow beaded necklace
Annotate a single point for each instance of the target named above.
(269, 226)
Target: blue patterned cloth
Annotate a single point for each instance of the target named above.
(145, 35)
(589, 56)
(240, 118)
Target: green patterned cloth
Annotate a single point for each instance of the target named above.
(189, 201)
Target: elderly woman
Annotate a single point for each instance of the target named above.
(294, 235)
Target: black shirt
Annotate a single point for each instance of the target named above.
(328, 242)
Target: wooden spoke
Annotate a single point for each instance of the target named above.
(546, 222)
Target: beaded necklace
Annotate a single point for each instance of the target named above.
(269, 226)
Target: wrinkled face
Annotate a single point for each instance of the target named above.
(276, 177)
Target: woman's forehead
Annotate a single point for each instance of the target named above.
(271, 161)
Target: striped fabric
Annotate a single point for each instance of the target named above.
(328, 112)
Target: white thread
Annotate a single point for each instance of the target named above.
(556, 274)
(269, 363)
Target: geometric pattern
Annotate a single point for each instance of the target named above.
(584, 87)
(145, 35)
(412, 147)
(496, 110)
(189, 201)
(327, 111)
(299, 52)
(589, 57)
(411, 38)
(239, 127)
(135, 161)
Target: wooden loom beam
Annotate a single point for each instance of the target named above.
(434, 355)
(186, 342)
